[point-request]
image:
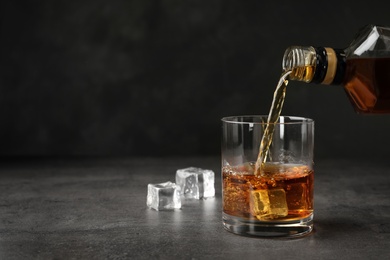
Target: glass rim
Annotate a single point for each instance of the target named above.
(244, 118)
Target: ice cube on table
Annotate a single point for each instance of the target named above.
(195, 182)
(268, 204)
(163, 196)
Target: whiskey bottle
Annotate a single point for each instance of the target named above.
(363, 68)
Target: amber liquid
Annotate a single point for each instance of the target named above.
(294, 182)
(273, 117)
(367, 84)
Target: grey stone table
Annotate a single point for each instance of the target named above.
(96, 209)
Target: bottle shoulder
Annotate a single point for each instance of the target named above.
(372, 41)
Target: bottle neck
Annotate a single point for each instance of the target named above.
(330, 66)
(315, 64)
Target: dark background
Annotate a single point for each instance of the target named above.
(154, 78)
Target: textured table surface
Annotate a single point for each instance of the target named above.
(96, 209)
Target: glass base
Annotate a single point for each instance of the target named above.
(255, 228)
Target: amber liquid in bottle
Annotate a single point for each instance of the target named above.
(367, 83)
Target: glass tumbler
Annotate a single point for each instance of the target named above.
(274, 198)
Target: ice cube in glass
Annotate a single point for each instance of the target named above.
(268, 204)
(297, 194)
